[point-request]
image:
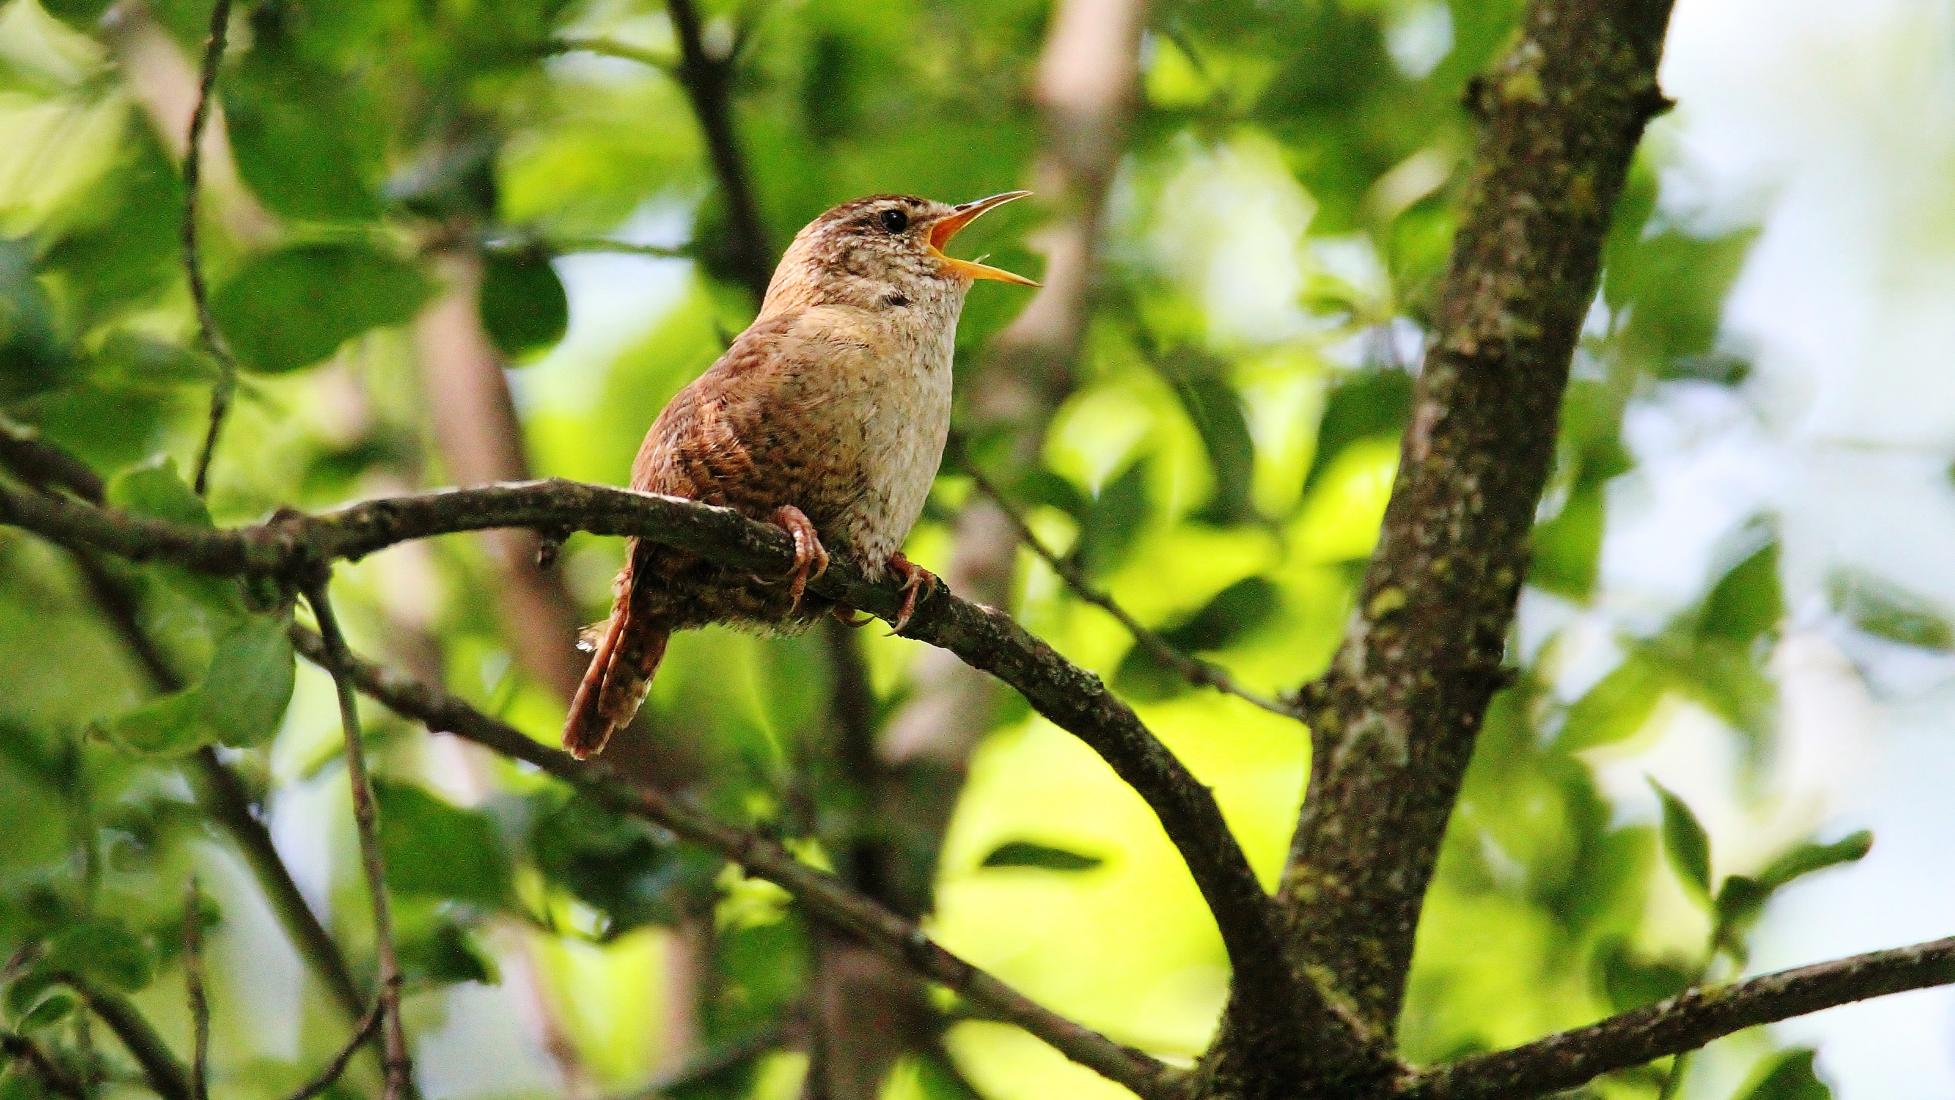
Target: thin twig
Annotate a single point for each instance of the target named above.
(1683, 1023)
(366, 823)
(19, 1048)
(560, 246)
(224, 795)
(1192, 669)
(707, 80)
(227, 365)
(193, 981)
(362, 1031)
(160, 1067)
(824, 895)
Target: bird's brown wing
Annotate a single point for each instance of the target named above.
(730, 438)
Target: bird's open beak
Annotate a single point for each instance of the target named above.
(948, 226)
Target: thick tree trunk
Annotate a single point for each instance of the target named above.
(1395, 718)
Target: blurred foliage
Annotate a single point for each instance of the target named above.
(1220, 466)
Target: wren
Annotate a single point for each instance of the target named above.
(827, 416)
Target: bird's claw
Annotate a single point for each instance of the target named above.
(810, 557)
(845, 615)
(918, 582)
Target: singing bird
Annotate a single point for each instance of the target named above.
(827, 417)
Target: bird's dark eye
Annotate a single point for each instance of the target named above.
(895, 220)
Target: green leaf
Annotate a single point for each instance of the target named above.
(1216, 410)
(291, 308)
(1617, 706)
(168, 725)
(1740, 901)
(1808, 858)
(19, 1083)
(296, 137)
(102, 950)
(1788, 1076)
(158, 490)
(1230, 614)
(1747, 602)
(1673, 286)
(1045, 857)
(1631, 981)
(250, 681)
(1685, 842)
(1888, 611)
(1364, 405)
(436, 849)
(32, 351)
(1724, 677)
(618, 865)
(443, 953)
(50, 1009)
(1113, 521)
(522, 303)
(1568, 548)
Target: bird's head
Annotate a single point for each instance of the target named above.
(884, 252)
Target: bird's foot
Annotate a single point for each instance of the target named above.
(810, 557)
(845, 615)
(918, 582)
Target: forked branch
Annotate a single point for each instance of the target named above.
(1684, 1022)
(293, 546)
(826, 896)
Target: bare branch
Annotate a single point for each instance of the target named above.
(824, 895)
(293, 544)
(19, 1048)
(160, 1067)
(193, 157)
(1683, 1023)
(365, 822)
(1192, 669)
(708, 82)
(39, 462)
(362, 1031)
(1394, 720)
(193, 981)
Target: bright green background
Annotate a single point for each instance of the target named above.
(1274, 236)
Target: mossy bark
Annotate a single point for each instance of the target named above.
(1395, 718)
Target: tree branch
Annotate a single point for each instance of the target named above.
(1192, 669)
(199, 999)
(160, 1067)
(365, 821)
(193, 157)
(823, 894)
(1394, 720)
(1683, 1023)
(362, 1031)
(292, 544)
(708, 83)
(39, 462)
(19, 1048)
(223, 794)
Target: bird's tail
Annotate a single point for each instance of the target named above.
(624, 657)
